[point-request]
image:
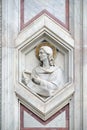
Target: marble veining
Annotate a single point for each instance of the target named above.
(59, 121)
(55, 7)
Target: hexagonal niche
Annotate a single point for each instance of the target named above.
(26, 59)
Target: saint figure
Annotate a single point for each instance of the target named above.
(46, 78)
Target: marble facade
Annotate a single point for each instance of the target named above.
(18, 45)
(53, 6)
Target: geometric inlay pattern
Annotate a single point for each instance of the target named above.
(30, 121)
(44, 29)
(32, 9)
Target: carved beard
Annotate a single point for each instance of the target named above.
(51, 61)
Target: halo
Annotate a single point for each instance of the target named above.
(45, 44)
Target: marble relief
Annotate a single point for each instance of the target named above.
(46, 77)
(34, 75)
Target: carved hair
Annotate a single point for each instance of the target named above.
(48, 50)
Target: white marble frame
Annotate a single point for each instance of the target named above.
(68, 54)
(59, 34)
(76, 117)
(45, 35)
(37, 32)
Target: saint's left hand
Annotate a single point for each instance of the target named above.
(36, 80)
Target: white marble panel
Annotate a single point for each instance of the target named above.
(55, 7)
(59, 121)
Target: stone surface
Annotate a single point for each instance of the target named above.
(55, 7)
(44, 27)
(59, 38)
(0, 60)
(84, 65)
(30, 120)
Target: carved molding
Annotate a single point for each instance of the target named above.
(44, 29)
(44, 23)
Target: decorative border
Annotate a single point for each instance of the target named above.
(0, 63)
(23, 108)
(22, 24)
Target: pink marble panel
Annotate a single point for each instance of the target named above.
(32, 9)
(24, 109)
